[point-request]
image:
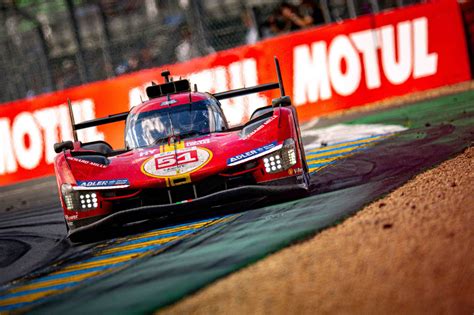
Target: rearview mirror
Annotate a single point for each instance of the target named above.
(281, 101)
(61, 146)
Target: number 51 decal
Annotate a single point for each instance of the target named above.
(175, 159)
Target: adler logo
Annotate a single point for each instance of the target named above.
(396, 52)
(252, 154)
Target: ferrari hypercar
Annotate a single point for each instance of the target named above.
(180, 155)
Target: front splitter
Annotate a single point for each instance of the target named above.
(251, 195)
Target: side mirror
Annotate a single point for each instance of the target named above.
(61, 146)
(281, 101)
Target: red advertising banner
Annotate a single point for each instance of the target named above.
(325, 69)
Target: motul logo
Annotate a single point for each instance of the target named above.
(396, 52)
(28, 139)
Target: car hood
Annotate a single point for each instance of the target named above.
(189, 160)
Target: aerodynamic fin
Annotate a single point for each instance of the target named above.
(71, 116)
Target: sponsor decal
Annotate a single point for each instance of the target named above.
(298, 170)
(403, 49)
(197, 142)
(27, 139)
(102, 183)
(260, 127)
(251, 154)
(148, 152)
(172, 163)
(86, 162)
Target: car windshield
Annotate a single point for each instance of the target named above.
(185, 121)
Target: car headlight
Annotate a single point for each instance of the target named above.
(282, 159)
(79, 200)
(289, 152)
(88, 200)
(272, 163)
(66, 189)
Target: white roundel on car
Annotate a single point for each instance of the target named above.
(177, 162)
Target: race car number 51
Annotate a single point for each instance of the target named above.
(177, 162)
(173, 159)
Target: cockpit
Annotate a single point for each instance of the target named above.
(183, 121)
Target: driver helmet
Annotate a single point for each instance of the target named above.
(201, 120)
(184, 122)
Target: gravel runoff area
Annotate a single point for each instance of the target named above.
(411, 252)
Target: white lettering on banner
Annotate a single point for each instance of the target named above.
(254, 100)
(310, 75)
(134, 96)
(30, 137)
(242, 73)
(425, 64)
(317, 66)
(47, 120)
(204, 79)
(237, 82)
(367, 43)
(64, 122)
(7, 158)
(399, 71)
(342, 49)
(137, 95)
(27, 141)
(85, 110)
(219, 83)
(238, 74)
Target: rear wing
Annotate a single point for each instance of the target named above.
(170, 87)
(257, 88)
(94, 122)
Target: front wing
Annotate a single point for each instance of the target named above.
(249, 193)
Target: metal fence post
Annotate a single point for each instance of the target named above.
(51, 85)
(106, 41)
(45, 56)
(325, 8)
(375, 6)
(351, 9)
(196, 13)
(83, 73)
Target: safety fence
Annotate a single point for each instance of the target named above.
(49, 45)
(328, 68)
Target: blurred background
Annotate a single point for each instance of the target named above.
(48, 45)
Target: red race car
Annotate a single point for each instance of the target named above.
(180, 155)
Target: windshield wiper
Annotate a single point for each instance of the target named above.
(159, 141)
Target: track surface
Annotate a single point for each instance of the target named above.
(147, 270)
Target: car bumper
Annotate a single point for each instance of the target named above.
(251, 195)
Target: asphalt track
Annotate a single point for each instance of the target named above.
(42, 272)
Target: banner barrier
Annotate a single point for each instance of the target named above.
(325, 69)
